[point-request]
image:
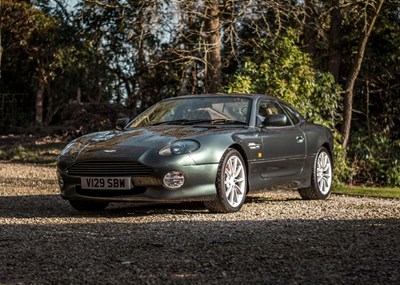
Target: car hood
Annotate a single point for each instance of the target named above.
(134, 143)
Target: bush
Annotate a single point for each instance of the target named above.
(376, 160)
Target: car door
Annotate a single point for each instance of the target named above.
(283, 144)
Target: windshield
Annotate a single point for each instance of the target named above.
(215, 110)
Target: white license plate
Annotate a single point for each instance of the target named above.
(120, 183)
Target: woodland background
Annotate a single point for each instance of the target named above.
(76, 66)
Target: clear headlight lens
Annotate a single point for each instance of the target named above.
(180, 147)
(71, 149)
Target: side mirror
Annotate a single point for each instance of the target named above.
(121, 123)
(276, 120)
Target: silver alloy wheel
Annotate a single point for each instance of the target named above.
(235, 182)
(324, 173)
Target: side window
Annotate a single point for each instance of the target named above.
(267, 108)
(293, 116)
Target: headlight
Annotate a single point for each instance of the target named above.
(180, 147)
(71, 149)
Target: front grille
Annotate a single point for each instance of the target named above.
(109, 168)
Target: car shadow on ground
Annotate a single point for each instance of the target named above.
(201, 252)
(48, 206)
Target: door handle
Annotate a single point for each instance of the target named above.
(300, 139)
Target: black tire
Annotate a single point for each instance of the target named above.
(88, 206)
(231, 190)
(321, 177)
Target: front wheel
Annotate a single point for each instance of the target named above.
(321, 177)
(83, 205)
(231, 184)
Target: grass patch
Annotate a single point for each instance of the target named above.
(384, 192)
(32, 152)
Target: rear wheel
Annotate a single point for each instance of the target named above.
(231, 184)
(321, 177)
(82, 205)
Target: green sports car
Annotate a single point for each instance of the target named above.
(211, 148)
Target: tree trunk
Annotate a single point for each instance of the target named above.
(349, 88)
(334, 56)
(39, 104)
(140, 67)
(185, 80)
(213, 76)
(310, 29)
(100, 87)
(50, 104)
(1, 51)
(78, 95)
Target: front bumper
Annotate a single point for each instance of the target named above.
(199, 186)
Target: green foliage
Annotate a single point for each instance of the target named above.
(282, 70)
(39, 50)
(376, 160)
(343, 169)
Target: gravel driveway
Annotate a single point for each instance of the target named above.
(277, 238)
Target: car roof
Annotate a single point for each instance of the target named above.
(251, 96)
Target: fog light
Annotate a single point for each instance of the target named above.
(174, 179)
(60, 181)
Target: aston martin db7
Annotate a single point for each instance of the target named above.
(210, 148)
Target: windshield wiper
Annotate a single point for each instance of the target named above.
(227, 121)
(182, 122)
(173, 122)
(191, 122)
(215, 122)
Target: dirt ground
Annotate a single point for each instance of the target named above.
(276, 238)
